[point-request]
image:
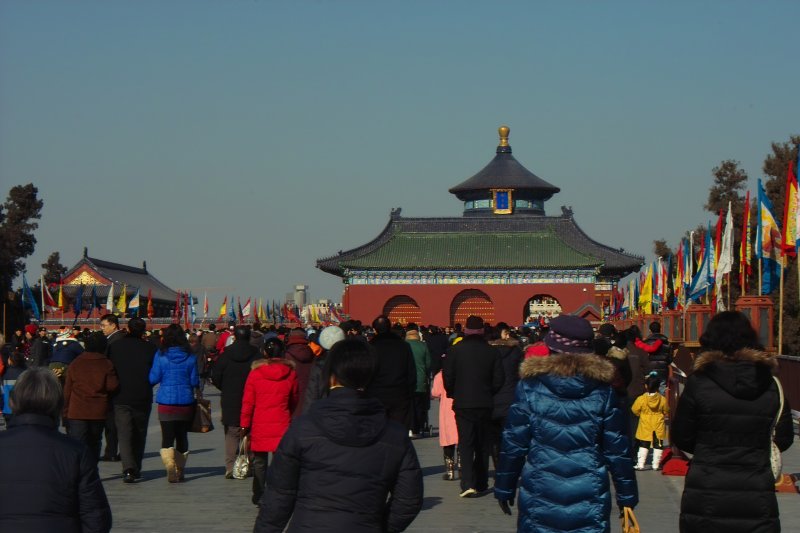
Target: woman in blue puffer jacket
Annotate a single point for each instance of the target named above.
(175, 371)
(564, 433)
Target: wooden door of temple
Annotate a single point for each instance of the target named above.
(471, 302)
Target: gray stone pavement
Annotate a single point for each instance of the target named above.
(208, 502)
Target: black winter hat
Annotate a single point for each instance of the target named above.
(474, 325)
(569, 334)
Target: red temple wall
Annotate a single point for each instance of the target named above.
(365, 302)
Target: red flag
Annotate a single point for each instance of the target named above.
(186, 310)
(790, 207)
(177, 314)
(718, 239)
(150, 311)
(48, 299)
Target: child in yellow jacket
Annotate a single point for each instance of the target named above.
(652, 409)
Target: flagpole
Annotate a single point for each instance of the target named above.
(44, 310)
(780, 311)
(760, 290)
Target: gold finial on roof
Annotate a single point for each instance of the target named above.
(503, 131)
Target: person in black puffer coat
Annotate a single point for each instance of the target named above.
(724, 417)
(659, 353)
(343, 466)
(510, 357)
(229, 376)
(48, 481)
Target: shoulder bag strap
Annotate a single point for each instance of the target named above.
(780, 409)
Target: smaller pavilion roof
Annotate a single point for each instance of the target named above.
(505, 172)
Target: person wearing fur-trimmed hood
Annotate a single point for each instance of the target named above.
(724, 417)
(564, 433)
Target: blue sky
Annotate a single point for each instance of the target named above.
(232, 143)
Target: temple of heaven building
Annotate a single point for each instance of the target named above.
(503, 259)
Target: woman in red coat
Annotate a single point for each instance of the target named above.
(270, 396)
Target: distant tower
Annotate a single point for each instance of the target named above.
(300, 295)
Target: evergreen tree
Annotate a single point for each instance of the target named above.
(18, 217)
(53, 269)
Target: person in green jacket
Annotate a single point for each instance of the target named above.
(421, 399)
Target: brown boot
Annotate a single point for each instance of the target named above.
(168, 458)
(180, 463)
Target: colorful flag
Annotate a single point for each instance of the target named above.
(150, 311)
(133, 305)
(223, 309)
(645, 300)
(790, 214)
(47, 298)
(110, 298)
(239, 306)
(28, 299)
(176, 313)
(61, 295)
(78, 304)
(205, 305)
(192, 310)
(121, 304)
(245, 312)
(745, 249)
(725, 257)
(768, 242)
(704, 278)
(95, 303)
(231, 311)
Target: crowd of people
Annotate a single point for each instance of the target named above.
(562, 411)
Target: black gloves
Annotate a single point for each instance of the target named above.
(506, 505)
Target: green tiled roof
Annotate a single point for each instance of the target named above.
(472, 250)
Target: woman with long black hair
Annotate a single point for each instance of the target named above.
(725, 418)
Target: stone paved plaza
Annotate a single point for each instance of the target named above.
(208, 502)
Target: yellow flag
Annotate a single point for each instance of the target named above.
(646, 294)
(223, 309)
(122, 306)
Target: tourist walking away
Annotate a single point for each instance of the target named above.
(396, 375)
(229, 376)
(343, 466)
(652, 409)
(659, 354)
(317, 380)
(175, 372)
(91, 380)
(48, 481)
(109, 325)
(473, 373)
(725, 417)
(510, 357)
(132, 357)
(448, 431)
(421, 400)
(270, 396)
(299, 352)
(564, 434)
